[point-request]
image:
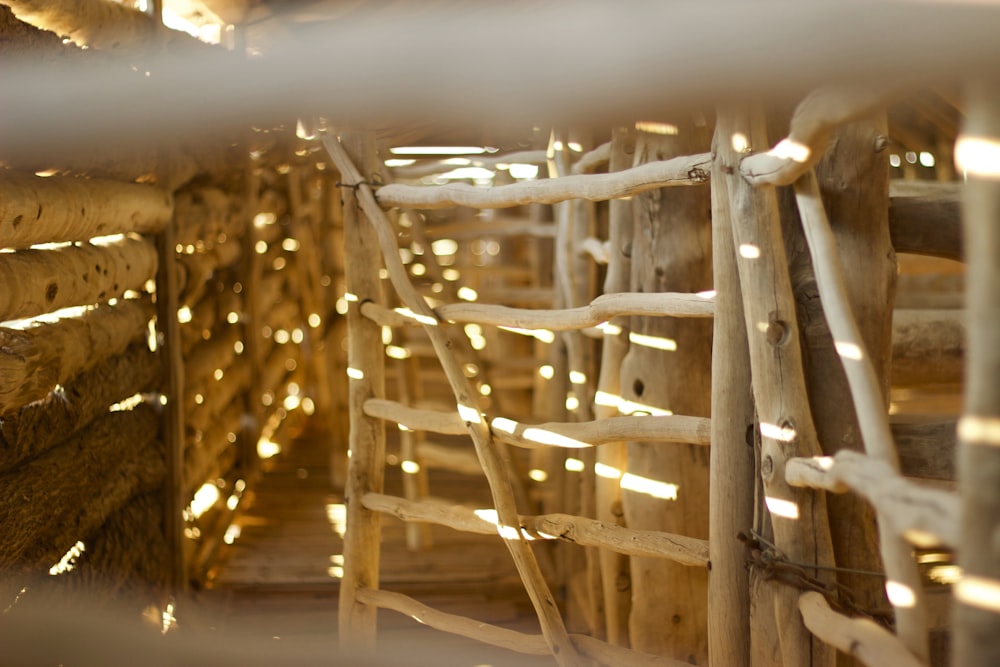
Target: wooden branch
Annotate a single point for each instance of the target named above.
(467, 399)
(596, 248)
(511, 640)
(217, 352)
(198, 268)
(42, 425)
(66, 494)
(40, 281)
(928, 346)
(456, 625)
(571, 435)
(578, 530)
(688, 170)
(861, 638)
(55, 209)
(821, 112)
(926, 517)
(34, 360)
(869, 402)
(104, 25)
(592, 160)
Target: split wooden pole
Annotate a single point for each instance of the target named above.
(977, 594)
(366, 371)
(731, 469)
(798, 517)
(531, 575)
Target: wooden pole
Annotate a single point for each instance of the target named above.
(366, 370)
(615, 575)
(977, 610)
(798, 517)
(169, 340)
(731, 470)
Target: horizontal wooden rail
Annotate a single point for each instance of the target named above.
(600, 310)
(687, 170)
(570, 435)
(593, 159)
(40, 281)
(34, 360)
(511, 640)
(57, 209)
(925, 517)
(578, 530)
(861, 638)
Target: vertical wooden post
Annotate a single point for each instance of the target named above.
(668, 367)
(366, 370)
(731, 483)
(798, 516)
(169, 340)
(615, 574)
(977, 594)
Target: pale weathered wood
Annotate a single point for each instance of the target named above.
(60, 208)
(577, 530)
(687, 170)
(600, 310)
(977, 611)
(506, 638)
(38, 281)
(366, 370)
(869, 402)
(196, 269)
(798, 517)
(923, 516)
(592, 160)
(928, 346)
(862, 638)
(39, 426)
(570, 435)
(812, 126)
(542, 599)
(34, 360)
(731, 470)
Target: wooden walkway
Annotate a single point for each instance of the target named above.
(280, 578)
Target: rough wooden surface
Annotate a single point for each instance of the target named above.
(928, 347)
(40, 281)
(731, 469)
(61, 208)
(687, 170)
(64, 495)
(926, 225)
(41, 425)
(34, 360)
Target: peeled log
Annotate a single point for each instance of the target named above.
(39, 426)
(927, 225)
(62, 208)
(42, 281)
(34, 360)
(64, 496)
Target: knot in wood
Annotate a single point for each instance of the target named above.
(698, 175)
(777, 332)
(767, 468)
